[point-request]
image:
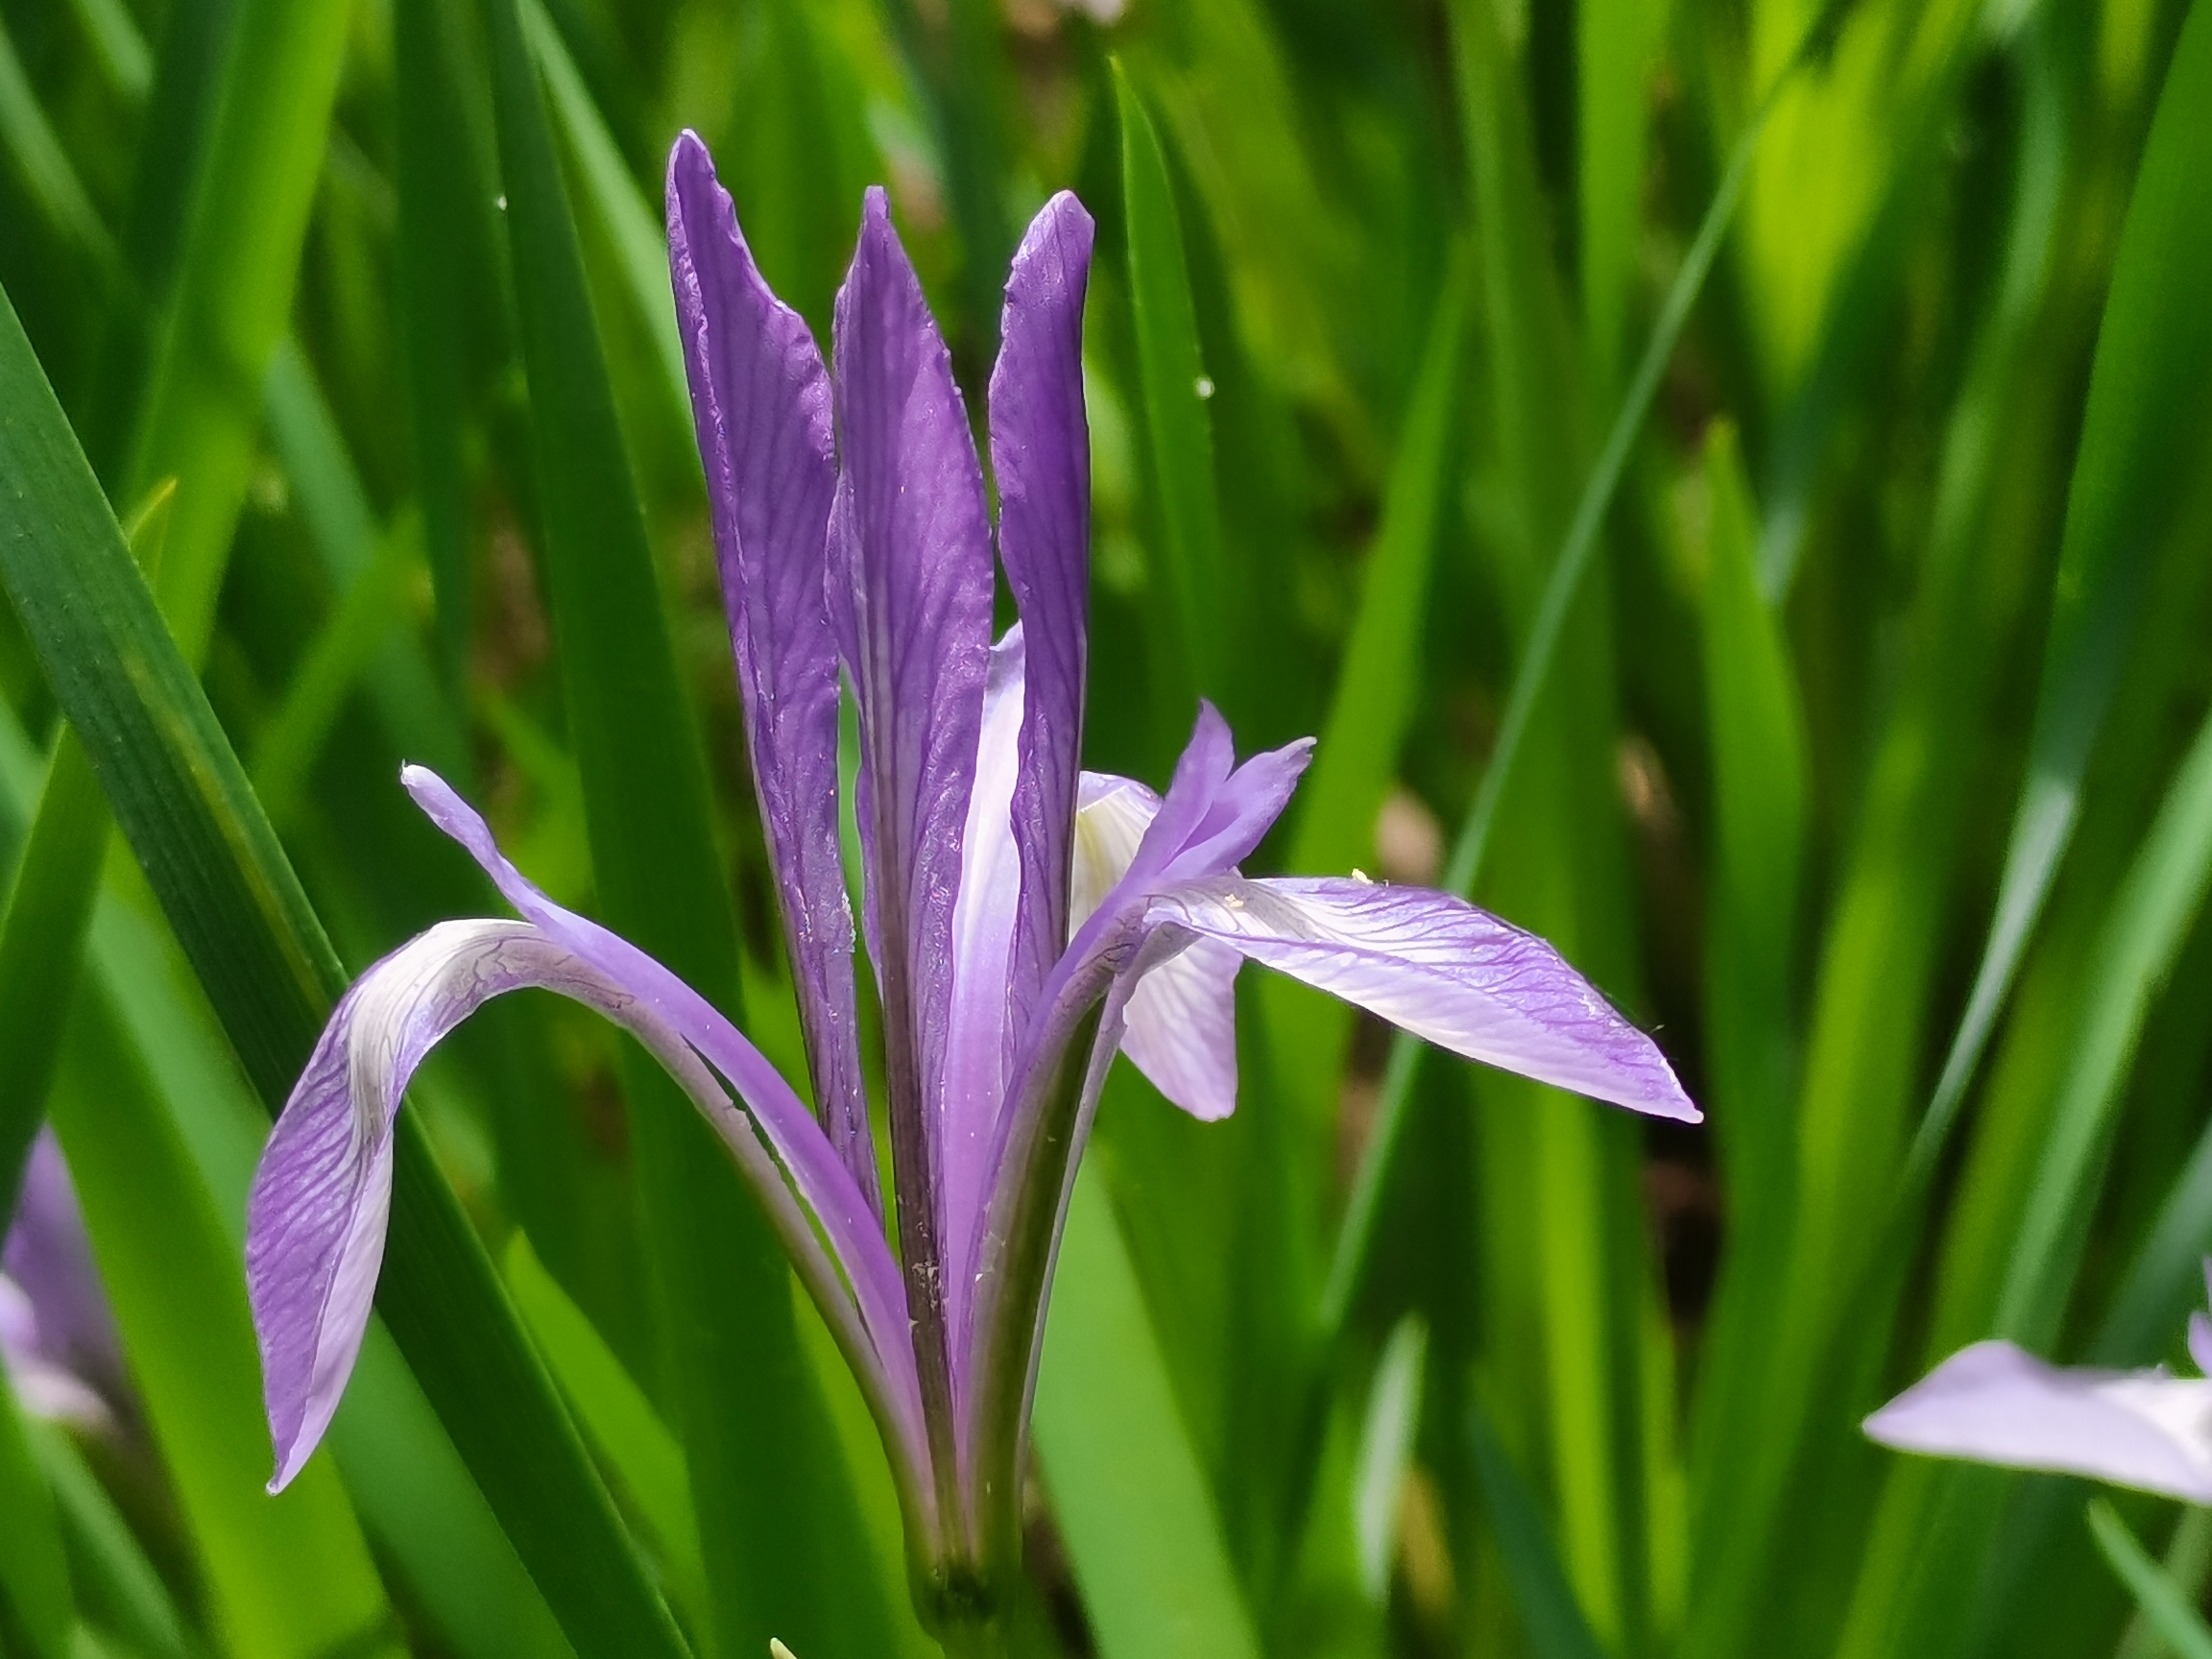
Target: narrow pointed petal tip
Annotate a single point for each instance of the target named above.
(1994, 1404)
(1443, 970)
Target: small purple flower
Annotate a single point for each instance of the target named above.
(1993, 1403)
(1026, 921)
(58, 1339)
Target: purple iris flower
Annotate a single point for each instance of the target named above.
(58, 1339)
(1993, 1403)
(1026, 921)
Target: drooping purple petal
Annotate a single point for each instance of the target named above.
(1993, 1403)
(315, 1216)
(1441, 968)
(910, 598)
(823, 1182)
(1040, 453)
(983, 940)
(760, 402)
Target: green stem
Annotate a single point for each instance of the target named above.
(982, 1636)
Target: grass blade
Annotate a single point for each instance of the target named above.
(116, 1583)
(616, 1415)
(2148, 921)
(232, 300)
(1549, 1615)
(1760, 812)
(2169, 1609)
(1355, 1236)
(184, 805)
(35, 1597)
(1125, 1484)
(48, 905)
(2140, 434)
(1192, 652)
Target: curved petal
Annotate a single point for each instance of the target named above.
(1441, 968)
(1180, 1029)
(1180, 1023)
(321, 1200)
(1993, 1403)
(823, 1182)
(1040, 453)
(761, 404)
(315, 1216)
(910, 578)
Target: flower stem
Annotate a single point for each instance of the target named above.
(979, 1636)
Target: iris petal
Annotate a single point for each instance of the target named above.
(1040, 453)
(910, 597)
(315, 1216)
(1441, 968)
(823, 1182)
(983, 934)
(760, 402)
(1994, 1404)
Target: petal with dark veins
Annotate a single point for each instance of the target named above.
(1440, 968)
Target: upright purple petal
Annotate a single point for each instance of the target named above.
(823, 1182)
(1993, 1403)
(760, 402)
(1442, 970)
(1041, 452)
(910, 596)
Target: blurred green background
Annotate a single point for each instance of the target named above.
(1723, 477)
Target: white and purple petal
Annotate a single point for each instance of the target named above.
(1994, 1404)
(1041, 454)
(983, 938)
(1441, 968)
(823, 1182)
(760, 402)
(316, 1217)
(1179, 1026)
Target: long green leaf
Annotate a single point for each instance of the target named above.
(2150, 918)
(614, 1413)
(2140, 433)
(1131, 1500)
(1550, 1614)
(745, 1406)
(1190, 660)
(248, 218)
(229, 895)
(117, 1586)
(2171, 1610)
(1355, 1236)
(1760, 787)
(34, 1597)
